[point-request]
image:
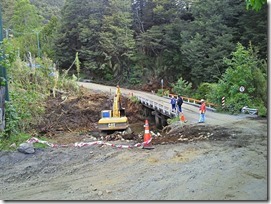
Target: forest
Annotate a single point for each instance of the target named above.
(201, 49)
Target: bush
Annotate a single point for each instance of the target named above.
(182, 88)
(162, 92)
(203, 91)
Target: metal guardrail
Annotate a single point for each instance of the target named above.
(165, 110)
(193, 101)
(251, 111)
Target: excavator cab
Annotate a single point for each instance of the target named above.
(114, 119)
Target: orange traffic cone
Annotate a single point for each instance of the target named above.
(147, 136)
(182, 118)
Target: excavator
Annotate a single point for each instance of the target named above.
(114, 119)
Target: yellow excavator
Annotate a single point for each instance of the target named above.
(114, 119)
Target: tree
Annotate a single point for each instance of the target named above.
(205, 41)
(182, 87)
(79, 30)
(47, 37)
(252, 27)
(157, 42)
(25, 18)
(116, 39)
(244, 69)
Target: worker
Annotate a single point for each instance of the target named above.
(202, 110)
(179, 104)
(173, 103)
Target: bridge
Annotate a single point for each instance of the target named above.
(162, 111)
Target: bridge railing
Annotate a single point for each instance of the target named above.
(165, 110)
(196, 102)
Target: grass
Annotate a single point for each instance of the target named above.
(8, 144)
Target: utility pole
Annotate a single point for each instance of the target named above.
(3, 72)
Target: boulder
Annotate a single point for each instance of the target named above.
(26, 148)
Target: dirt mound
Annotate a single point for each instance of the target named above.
(177, 133)
(67, 114)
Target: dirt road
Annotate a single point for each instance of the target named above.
(217, 168)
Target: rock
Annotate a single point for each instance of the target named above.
(129, 130)
(26, 148)
(100, 193)
(95, 133)
(108, 191)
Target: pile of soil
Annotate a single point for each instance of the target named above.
(68, 114)
(177, 133)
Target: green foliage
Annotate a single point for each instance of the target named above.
(182, 87)
(255, 4)
(116, 38)
(134, 41)
(202, 91)
(25, 17)
(134, 99)
(162, 92)
(12, 121)
(3, 81)
(47, 37)
(17, 139)
(7, 53)
(242, 69)
(48, 8)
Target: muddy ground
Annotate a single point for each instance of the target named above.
(187, 162)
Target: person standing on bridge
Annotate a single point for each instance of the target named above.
(173, 103)
(202, 110)
(179, 104)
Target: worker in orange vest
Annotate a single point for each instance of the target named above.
(202, 110)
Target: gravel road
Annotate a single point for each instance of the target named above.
(232, 169)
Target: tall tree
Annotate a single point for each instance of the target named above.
(206, 42)
(157, 43)
(78, 32)
(25, 25)
(25, 17)
(116, 38)
(7, 13)
(252, 27)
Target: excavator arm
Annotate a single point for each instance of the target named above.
(117, 103)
